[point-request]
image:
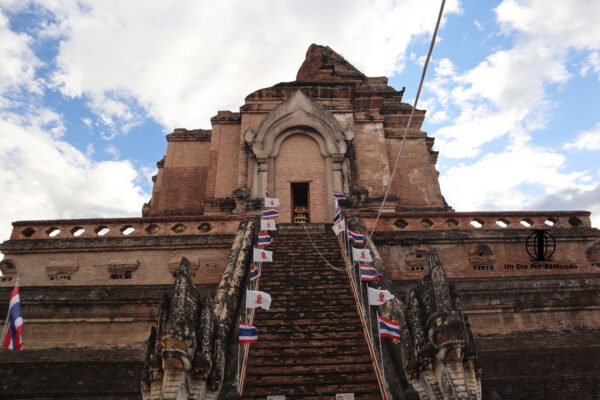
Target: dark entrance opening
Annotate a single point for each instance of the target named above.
(300, 201)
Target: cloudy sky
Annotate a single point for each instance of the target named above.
(88, 89)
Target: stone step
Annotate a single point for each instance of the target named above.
(311, 342)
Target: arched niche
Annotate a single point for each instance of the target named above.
(299, 114)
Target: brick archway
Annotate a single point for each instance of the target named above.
(299, 114)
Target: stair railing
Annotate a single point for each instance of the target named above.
(251, 286)
(344, 246)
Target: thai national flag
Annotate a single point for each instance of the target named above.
(269, 213)
(264, 239)
(267, 192)
(338, 216)
(254, 272)
(389, 328)
(339, 195)
(358, 237)
(12, 340)
(368, 273)
(248, 333)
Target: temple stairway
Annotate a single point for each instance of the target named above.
(311, 341)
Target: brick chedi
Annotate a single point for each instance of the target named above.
(486, 310)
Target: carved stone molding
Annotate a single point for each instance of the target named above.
(58, 272)
(122, 271)
(9, 271)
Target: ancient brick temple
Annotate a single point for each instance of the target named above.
(491, 304)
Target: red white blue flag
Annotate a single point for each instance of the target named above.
(254, 272)
(270, 213)
(368, 273)
(339, 195)
(358, 237)
(12, 340)
(267, 192)
(338, 216)
(389, 328)
(248, 333)
(264, 239)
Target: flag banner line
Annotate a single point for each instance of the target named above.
(12, 339)
(389, 328)
(248, 333)
(369, 273)
(256, 299)
(378, 297)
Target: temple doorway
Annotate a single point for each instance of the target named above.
(300, 202)
(300, 179)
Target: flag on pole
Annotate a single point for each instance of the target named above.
(368, 273)
(261, 255)
(255, 298)
(389, 328)
(248, 333)
(267, 192)
(264, 239)
(14, 329)
(270, 213)
(378, 297)
(338, 215)
(340, 226)
(254, 272)
(268, 225)
(339, 195)
(358, 237)
(363, 255)
(271, 202)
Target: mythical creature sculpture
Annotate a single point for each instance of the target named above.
(188, 355)
(439, 357)
(178, 357)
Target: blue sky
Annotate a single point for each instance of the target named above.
(89, 89)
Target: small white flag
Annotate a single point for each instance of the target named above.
(378, 297)
(271, 202)
(268, 225)
(363, 255)
(261, 255)
(339, 227)
(255, 298)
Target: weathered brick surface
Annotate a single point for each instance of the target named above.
(71, 374)
(536, 337)
(311, 341)
(301, 150)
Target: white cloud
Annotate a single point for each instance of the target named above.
(112, 150)
(41, 175)
(592, 63)
(561, 24)
(498, 180)
(572, 198)
(44, 177)
(478, 25)
(17, 70)
(89, 150)
(183, 60)
(587, 140)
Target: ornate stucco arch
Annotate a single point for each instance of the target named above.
(299, 115)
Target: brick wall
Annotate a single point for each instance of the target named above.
(300, 160)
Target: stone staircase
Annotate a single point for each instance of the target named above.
(311, 342)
